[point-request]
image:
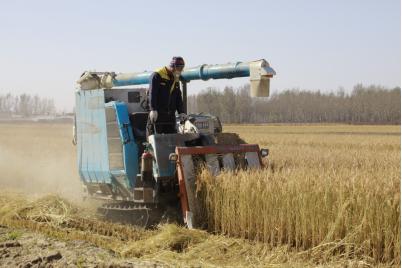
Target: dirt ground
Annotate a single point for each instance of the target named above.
(21, 248)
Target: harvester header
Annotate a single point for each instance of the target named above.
(259, 72)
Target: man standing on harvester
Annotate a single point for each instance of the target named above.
(165, 98)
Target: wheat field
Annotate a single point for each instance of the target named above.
(329, 189)
(329, 195)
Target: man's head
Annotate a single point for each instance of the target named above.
(176, 66)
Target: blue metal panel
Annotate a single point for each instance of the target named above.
(101, 165)
(92, 137)
(162, 145)
(169, 172)
(81, 125)
(130, 148)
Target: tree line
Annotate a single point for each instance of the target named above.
(26, 105)
(364, 104)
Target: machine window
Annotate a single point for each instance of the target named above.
(134, 97)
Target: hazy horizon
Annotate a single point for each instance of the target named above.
(311, 44)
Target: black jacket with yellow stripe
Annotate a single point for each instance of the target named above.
(164, 94)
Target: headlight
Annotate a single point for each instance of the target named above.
(173, 157)
(264, 152)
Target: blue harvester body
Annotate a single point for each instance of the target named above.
(110, 126)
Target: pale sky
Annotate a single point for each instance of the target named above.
(312, 44)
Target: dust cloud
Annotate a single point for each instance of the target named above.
(38, 159)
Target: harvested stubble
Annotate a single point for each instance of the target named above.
(169, 245)
(57, 217)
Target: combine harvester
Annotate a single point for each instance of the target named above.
(145, 180)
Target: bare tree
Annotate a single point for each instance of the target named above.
(365, 104)
(26, 105)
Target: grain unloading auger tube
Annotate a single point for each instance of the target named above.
(112, 147)
(258, 71)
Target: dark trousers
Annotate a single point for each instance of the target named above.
(166, 123)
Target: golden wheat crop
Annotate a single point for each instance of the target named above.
(331, 190)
